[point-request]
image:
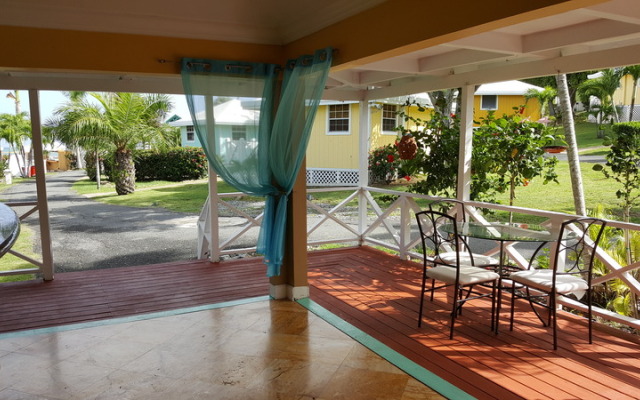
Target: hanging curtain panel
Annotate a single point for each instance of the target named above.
(232, 105)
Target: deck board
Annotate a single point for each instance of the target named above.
(379, 294)
(84, 296)
(376, 293)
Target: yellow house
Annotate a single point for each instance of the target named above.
(623, 97)
(502, 97)
(333, 156)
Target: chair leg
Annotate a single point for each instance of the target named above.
(424, 284)
(590, 316)
(494, 320)
(513, 304)
(497, 293)
(454, 310)
(554, 317)
(433, 286)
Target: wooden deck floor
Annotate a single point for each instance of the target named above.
(374, 292)
(379, 294)
(76, 297)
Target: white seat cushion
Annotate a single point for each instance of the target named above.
(479, 260)
(468, 275)
(543, 279)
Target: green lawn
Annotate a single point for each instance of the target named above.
(23, 245)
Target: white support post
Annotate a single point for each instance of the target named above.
(214, 243)
(41, 186)
(214, 235)
(466, 143)
(363, 165)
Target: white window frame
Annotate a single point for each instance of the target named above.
(396, 124)
(191, 131)
(482, 107)
(235, 128)
(338, 133)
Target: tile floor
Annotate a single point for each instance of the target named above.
(258, 350)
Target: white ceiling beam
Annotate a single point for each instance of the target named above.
(509, 71)
(455, 59)
(498, 42)
(375, 78)
(580, 33)
(169, 84)
(401, 64)
(621, 10)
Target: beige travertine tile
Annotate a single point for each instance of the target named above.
(417, 391)
(357, 383)
(63, 380)
(262, 350)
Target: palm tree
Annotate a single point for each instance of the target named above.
(634, 71)
(15, 129)
(121, 120)
(545, 98)
(602, 88)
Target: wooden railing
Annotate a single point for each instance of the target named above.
(360, 219)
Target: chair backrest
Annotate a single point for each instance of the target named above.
(452, 207)
(578, 240)
(433, 239)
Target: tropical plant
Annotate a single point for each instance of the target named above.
(602, 88)
(122, 121)
(623, 165)
(512, 148)
(615, 294)
(15, 129)
(545, 99)
(384, 163)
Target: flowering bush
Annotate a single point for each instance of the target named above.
(384, 163)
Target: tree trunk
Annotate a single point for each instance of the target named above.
(633, 100)
(125, 172)
(98, 172)
(572, 145)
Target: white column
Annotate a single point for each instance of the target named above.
(41, 186)
(214, 235)
(466, 136)
(363, 163)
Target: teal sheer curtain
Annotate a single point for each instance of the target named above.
(253, 148)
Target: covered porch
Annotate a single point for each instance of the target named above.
(368, 295)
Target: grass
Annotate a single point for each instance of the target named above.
(187, 197)
(24, 245)
(587, 134)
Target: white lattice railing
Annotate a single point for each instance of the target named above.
(360, 219)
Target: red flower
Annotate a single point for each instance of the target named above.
(407, 177)
(390, 158)
(452, 115)
(521, 109)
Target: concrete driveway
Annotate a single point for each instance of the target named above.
(87, 234)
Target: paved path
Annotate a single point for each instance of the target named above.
(87, 234)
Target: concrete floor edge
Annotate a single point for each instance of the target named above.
(411, 368)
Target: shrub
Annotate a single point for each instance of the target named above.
(384, 163)
(177, 164)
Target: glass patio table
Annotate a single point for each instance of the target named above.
(504, 233)
(9, 228)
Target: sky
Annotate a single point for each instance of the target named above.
(50, 100)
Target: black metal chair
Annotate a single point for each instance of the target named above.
(541, 287)
(462, 277)
(455, 208)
